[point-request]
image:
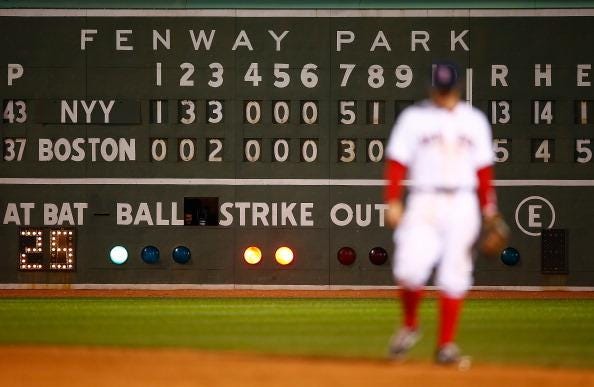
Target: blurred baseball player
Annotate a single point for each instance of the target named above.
(443, 146)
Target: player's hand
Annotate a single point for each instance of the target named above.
(494, 235)
(395, 210)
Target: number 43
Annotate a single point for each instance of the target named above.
(15, 111)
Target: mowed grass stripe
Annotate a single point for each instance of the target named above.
(540, 332)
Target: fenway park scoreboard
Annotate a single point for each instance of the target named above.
(247, 147)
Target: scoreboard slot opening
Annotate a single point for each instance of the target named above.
(201, 211)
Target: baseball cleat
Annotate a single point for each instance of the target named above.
(402, 342)
(448, 354)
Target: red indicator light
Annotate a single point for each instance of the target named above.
(346, 255)
(378, 256)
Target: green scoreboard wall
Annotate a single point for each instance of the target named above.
(200, 133)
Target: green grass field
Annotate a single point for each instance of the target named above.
(539, 332)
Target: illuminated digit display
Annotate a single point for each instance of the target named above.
(31, 249)
(47, 249)
(62, 249)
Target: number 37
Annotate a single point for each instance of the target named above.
(14, 149)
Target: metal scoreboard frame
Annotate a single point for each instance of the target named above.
(244, 147)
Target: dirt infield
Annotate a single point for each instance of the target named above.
(475, 294)
(78, 366)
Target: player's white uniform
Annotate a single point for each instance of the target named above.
(442, 149)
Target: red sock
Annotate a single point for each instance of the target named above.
(410, 306)
(449, 312)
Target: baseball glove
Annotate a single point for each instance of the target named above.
(494, 236)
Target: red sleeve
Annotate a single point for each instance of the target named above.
(395, 172)
(486, 193)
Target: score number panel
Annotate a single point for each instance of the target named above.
(190, 148)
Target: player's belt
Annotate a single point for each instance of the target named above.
(441, 190)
